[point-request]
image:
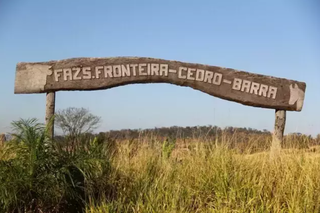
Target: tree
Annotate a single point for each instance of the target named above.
(76, 121)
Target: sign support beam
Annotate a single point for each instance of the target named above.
(50, 110)
(279, 127)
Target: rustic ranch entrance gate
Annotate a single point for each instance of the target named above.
(103, 73)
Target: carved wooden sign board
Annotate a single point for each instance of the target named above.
(103, 73)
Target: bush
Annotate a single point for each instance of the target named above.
(38, 175)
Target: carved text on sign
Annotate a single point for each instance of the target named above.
(154, 69)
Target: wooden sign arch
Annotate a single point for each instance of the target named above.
(103, 73)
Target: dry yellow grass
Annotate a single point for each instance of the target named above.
(197, 177)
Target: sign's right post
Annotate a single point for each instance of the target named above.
(280, 123)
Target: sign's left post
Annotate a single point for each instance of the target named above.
(50, 110)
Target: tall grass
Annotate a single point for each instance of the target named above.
(205, 178)
(152, 175)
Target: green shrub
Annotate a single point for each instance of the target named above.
(37, 175)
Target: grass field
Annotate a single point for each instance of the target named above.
(211, 179)
(149, 175)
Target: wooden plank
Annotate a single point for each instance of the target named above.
(103, 73)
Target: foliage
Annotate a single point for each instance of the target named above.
(208, 132)
(76, 121)
(37, 175)
(156, 174)
(246, 140)
(167, 148)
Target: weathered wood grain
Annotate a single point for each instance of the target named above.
(103, 73)
(50, 111)
(279, 127)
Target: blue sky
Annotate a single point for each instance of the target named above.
(280, 38)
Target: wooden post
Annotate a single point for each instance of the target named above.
(50, 110)
(279, 127)
(2, 139)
